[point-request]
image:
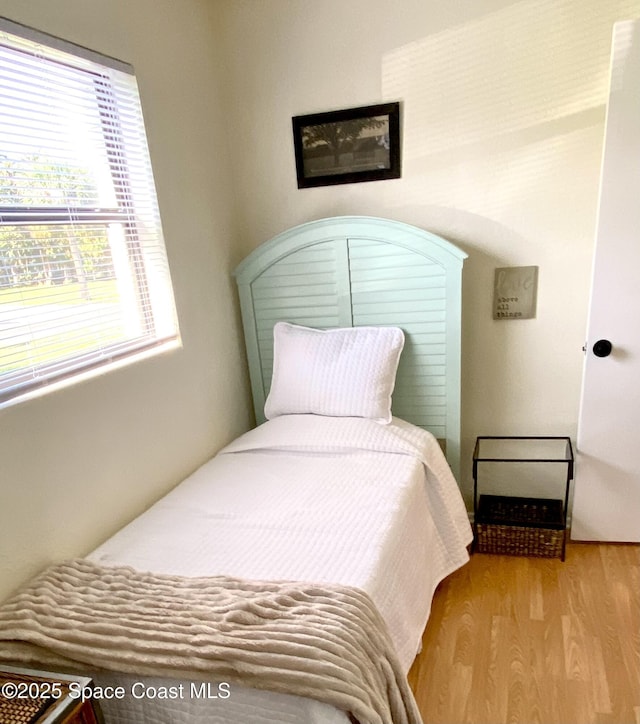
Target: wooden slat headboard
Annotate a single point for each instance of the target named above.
(356, 270)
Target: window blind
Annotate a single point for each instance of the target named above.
(84, 278)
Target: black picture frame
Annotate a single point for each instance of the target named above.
(347, 146)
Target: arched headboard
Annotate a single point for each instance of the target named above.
(356, 270)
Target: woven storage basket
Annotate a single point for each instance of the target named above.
(520, 526)
(24, 710)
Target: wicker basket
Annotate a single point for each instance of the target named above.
(520, 526)
(23, 710)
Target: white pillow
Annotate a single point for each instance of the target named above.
(344, 372)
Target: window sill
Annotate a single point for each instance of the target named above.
(98, 371)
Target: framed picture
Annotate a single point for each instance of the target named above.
(515, 292)
(348, 146)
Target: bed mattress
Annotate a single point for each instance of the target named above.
(302, 498)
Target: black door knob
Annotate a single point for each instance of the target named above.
(602, 348)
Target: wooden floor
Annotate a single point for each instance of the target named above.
(535, 641)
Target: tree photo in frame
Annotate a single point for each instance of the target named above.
(348, 146)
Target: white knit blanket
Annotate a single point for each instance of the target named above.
(327, 643)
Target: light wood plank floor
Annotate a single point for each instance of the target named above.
(535, 641)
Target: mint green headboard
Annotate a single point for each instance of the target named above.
(357, 270)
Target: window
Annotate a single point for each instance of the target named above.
(84, 279)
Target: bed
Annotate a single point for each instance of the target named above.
(351, 271)
(341, 494)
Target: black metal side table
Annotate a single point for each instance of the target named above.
(517, 524)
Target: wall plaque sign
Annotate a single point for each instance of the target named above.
(515, 291)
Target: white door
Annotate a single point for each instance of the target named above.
(607, 485)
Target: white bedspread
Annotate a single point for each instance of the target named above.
(305, 498)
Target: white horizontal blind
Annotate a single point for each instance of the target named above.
(84, 278)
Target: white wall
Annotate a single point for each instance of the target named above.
(78, 464)
(504, 106)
